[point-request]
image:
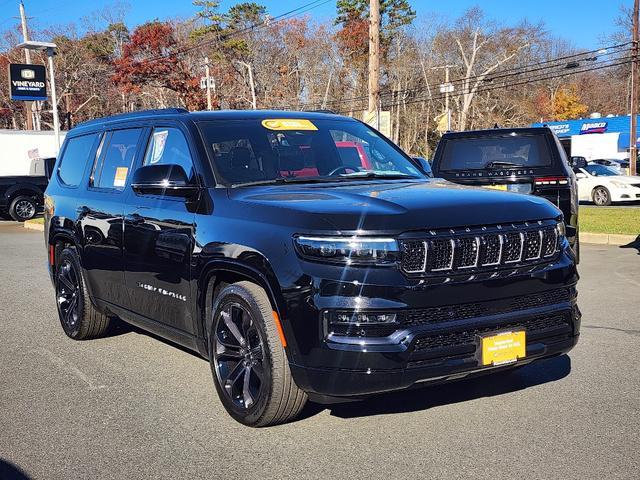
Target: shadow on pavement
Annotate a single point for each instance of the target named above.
(424, 398)
(9, 471)
(635, 244)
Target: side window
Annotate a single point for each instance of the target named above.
(115, 159)
(168, 146)
(74, 159)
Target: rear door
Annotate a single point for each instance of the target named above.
(100, 213)
(159, 237)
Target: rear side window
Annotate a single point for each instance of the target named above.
(74, 159)
(168, 146)
(495, 152)
(116, 157)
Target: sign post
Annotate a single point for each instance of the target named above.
(50, 49)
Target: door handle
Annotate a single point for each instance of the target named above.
(134, 219)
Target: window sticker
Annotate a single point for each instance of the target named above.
(159, 142)
(288, 124)
(121, 176)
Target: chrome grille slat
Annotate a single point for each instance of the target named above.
(489, 248)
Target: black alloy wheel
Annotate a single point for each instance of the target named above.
(238, 355)
(68, 296)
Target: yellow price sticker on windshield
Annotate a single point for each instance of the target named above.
(288, 124)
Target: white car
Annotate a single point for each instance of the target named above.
(603, 185)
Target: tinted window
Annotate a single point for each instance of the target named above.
(501, 151)
(115, 160)
(168, 146)
(601, 170)
(74, 159)
(254, 150)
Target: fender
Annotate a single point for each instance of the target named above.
(34, 189)
(205, 285)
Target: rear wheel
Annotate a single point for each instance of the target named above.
(601, 196)
(79, 318)
(250, 368)
(22, 208)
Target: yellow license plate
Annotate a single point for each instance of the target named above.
(503, 348)
(497, 187)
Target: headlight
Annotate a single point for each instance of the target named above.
(349, 250)
(562, 230)
(619, 184)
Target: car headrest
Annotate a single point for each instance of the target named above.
(291, 159)
(240, 157)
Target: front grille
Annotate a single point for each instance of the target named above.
(533, 326)
(483, 249)
(432, 315)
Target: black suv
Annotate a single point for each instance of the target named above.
(523, 160)
(305, 255)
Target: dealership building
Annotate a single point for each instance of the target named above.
(594, 137)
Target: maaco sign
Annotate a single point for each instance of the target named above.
(27, 82)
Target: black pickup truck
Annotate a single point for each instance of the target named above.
(21, 197)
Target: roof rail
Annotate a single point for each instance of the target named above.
(140, 113)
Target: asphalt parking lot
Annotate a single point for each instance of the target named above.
(133, 406)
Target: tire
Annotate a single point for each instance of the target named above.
(22, 208)
(79, 318)
(248, 362)
(601, 196)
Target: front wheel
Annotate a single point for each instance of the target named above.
(250, 368)
(22, 208)
(601, 196)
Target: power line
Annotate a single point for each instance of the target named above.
(266, 22)
(520, 71)
(511, 72)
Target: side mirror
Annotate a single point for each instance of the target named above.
(168, 180)
(580, 175)
(578, 162)
(424, 165)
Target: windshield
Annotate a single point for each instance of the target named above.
(495, 152)
(601, 170)
(297, 150)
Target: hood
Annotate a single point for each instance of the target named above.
(389, 206)
(624, 179)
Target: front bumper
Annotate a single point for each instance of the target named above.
(442, 323)
(631, 194)
(448, 365)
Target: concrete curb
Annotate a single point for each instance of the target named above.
(34, 226)
(607, 238)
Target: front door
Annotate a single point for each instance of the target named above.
(159, 240)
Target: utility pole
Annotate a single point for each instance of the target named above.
(208, 83)
(633, 134)
(374, 57)
(27, 57)
(446, 97)
(447, 88)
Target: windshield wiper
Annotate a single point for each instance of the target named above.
(340, 178)
(502, 164)
(386, 176)
(280, 181)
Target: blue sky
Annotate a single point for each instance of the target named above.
(582, 22)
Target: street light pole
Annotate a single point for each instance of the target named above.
(54, 98)
(50, 49)
(206, 75)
